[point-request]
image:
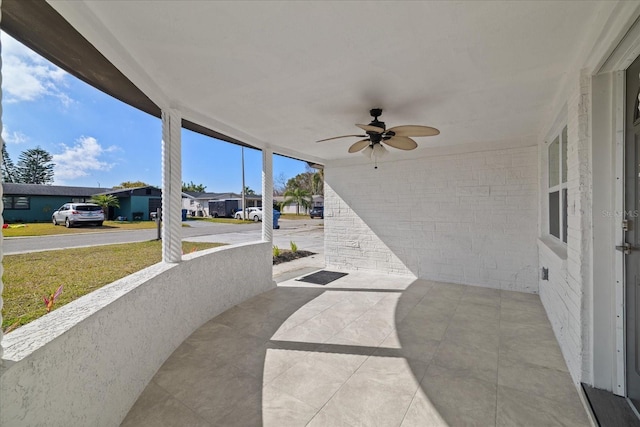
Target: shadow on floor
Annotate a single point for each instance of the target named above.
(367, 350)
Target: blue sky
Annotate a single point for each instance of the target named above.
(97, 140)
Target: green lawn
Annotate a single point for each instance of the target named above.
(29, 277)
(47, 228)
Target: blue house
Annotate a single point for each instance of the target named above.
(36, 202)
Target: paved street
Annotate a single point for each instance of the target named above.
(300, 231)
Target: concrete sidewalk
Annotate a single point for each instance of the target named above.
(308, 237)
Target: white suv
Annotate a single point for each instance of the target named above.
(71, 214)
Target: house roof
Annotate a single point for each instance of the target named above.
(49, 190)
(125, 191)
(217, 196)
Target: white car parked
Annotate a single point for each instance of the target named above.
(71, 214)
(250, 213)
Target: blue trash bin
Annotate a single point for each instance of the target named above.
(184, 214)
(276, 216)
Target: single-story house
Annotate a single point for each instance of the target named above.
(36, 202)
(316, 201)
(135, 203)
(197, 203)
(522, 212)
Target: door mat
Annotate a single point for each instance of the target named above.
(322, 277)
(609, 409)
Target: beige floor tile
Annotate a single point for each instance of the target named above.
(213, 394)
(531, 344)
(157, 408)
(516, 408)
(321, 419)
(468, 359)
(430, 354)
(315, 379)
(526, 317)
(483, 339)
(422, 351)
(422, 412)
(533, 379)
(460, 399)
(279, 409)
(362, 401)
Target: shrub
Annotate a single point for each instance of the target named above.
(294, 247)
(276, 251)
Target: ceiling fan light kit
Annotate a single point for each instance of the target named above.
(377, 134)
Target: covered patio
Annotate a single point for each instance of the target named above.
(368, 350)
(492, 270)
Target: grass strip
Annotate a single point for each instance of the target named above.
(29, 277)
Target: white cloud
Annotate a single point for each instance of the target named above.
(15, 137)
(79, 160)
(28, 77)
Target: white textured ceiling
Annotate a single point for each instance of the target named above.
(290, 73)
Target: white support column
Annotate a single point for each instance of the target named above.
(1, 204)
(171, 186)
(267, 195)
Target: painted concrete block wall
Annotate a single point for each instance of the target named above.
(86, 363)
(567, 293)
(462, 218)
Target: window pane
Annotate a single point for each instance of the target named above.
(554, 214)
(554, 163)
(564, 215)
(21, 203)
(564, 154)
(7, 202)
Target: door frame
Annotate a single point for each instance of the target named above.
(624, 55)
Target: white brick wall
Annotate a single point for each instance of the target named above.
(461, 218)
(566, 296)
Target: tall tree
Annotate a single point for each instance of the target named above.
(198, 188)
(248, 191)
(299, 196)
(317, 182)
(131, 184)
(35, 166)
(8, 168)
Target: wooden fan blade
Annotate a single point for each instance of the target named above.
(401, 142)
(359, 146)
(343, 136)
(369, 128)
(414, 130)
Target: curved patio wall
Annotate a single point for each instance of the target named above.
(87, 362)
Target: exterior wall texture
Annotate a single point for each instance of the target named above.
(566, 295)
(462, 218)
(86, 363)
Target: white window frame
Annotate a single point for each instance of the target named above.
(561, 135)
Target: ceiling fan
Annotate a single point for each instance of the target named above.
(377, 133)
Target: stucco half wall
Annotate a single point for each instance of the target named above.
(467, 218)
(87, 362)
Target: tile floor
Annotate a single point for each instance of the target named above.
(368, 350)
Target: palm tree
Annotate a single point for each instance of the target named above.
(105, 201)
(299, 196)
(317, 182)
